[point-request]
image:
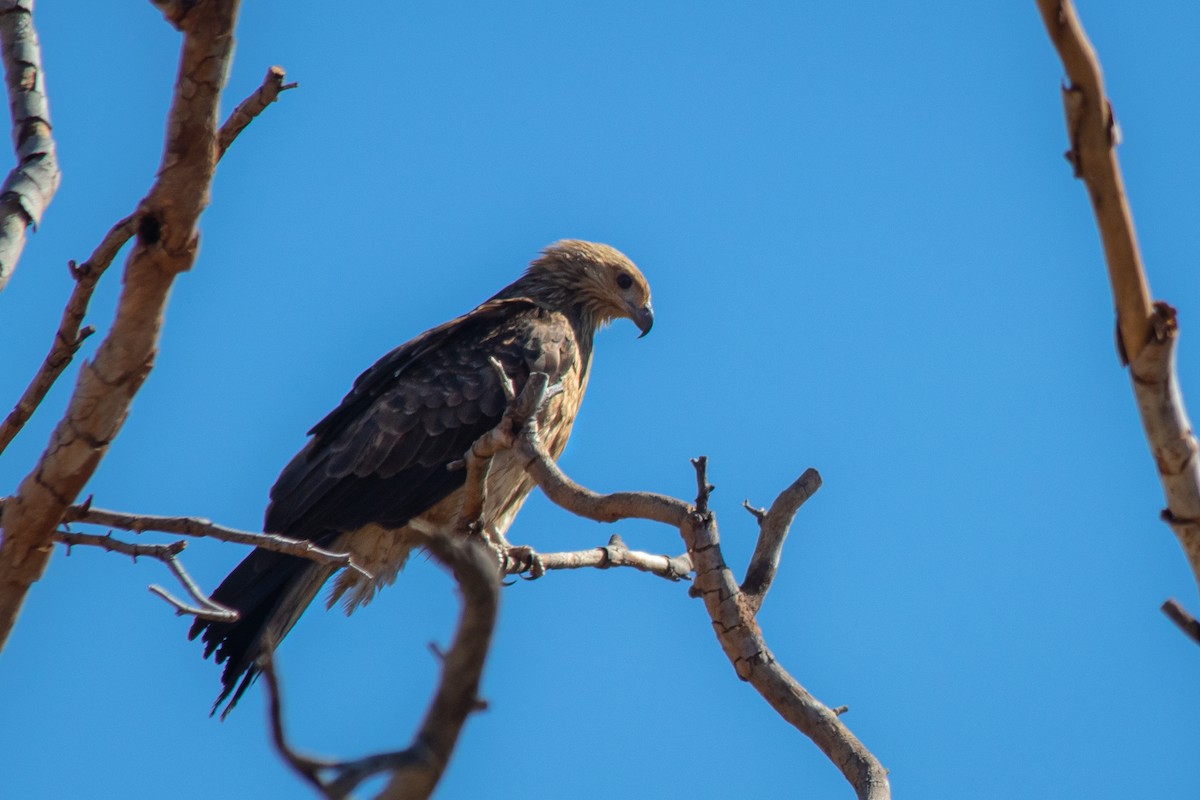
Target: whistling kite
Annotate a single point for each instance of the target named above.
(382, 464)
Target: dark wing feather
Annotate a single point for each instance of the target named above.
(381, 456)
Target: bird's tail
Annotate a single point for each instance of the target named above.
(269, 591)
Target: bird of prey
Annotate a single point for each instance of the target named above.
(387, 462)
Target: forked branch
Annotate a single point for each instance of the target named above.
(167, 241)
(168, 554)
(731, 611)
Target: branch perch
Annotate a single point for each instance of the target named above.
(615, 554)
(1147, 332)
(729, 609)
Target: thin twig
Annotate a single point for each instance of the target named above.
(168, 554)
(71, 335)
(759, 514)
(704, 489)
(202, 528)
(31, 184)
(160, 552)
(1186, 622)
(252, 106)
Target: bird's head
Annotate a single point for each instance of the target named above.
(596, 281)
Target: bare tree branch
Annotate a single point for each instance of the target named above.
(203, 528)
(416, 770)
(731, 611)
(31, 185)
(1186, 622)
(1147, 332)
(614, 554)
(252, 106)
(168, 554)
(71, 334)
(744, 646)
(564, 492)
(167, 242)
(1169, 431)
(111, 545)
(1094, 135)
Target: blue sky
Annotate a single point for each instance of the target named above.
(868, 256)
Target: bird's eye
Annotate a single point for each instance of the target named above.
(624, 280)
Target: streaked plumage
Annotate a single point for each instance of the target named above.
(376, 468)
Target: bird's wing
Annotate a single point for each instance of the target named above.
(381, 456)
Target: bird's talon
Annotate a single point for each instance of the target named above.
(521, 559)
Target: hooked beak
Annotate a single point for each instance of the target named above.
(644, 318)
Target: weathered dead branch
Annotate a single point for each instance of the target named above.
(202, 528)
(166, 553)
(165, 225)
(614, 554)
(732, 612)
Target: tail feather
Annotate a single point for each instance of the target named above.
(269, 591)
